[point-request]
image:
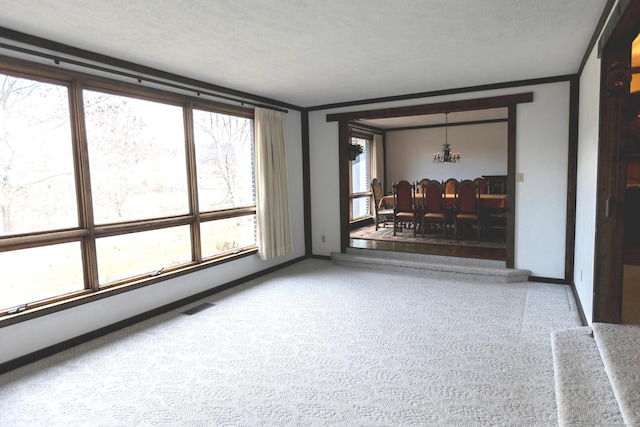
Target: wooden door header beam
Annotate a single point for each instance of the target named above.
(441, 107)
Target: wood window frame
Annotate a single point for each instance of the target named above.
(87, 232)
(369, 137)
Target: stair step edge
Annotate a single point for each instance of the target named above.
(374, 262)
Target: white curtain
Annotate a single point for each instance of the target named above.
(377, 159)
(272, 189)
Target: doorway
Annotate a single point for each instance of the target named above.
(631, 242)
(410, 146)
(508, 101)
(616, 274)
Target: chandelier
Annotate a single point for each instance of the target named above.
(446, 156)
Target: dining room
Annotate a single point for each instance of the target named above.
(447, 148)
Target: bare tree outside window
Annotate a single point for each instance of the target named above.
(37, 188)
(224, 164)
(224, 153)
(140, 223)
(137, 157)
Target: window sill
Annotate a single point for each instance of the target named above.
(87, 296)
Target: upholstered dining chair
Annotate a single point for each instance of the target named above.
(467, 205)
(379, 214)
(450, 186)
(420, 184)
(404, 211)
(433, 206)
(482, 185)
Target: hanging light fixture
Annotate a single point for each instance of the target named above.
(446, 156)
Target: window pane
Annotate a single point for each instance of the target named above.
(227, 235)
(34, 274)
(224, 160)
(134, 254)
(360, 168)
(37, 186)
(360, 179)
(361, 207)
(137, 158)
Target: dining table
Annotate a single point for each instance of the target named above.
(487, 201)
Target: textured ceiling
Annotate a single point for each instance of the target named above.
(311, 53)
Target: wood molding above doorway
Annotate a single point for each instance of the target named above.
(508, 101)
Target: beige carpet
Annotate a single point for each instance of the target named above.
(584, 393)
(620, 349)
(314, 344)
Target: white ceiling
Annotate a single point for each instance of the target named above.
(309, 53)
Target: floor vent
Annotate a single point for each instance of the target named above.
(198, 308)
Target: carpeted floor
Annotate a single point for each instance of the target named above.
(631, 295)
(619, 346)
(495, 240)
(583, 389)
(314, 344)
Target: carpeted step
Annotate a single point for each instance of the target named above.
(583, 392)
(432, 265)
(620, 349)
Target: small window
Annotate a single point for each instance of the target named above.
(137, 158)
(224, 160)
(40, 273)
(37, 181)
(360, 173)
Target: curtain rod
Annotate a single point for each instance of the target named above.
(58, 59)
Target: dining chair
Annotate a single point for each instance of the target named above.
(404, 211)
(433, 206)
(483, 213)
(450, 186)
(379, 214)
(420, 184)
(482, 185)
(467, 206)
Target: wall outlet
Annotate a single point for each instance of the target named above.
(520, 177)
(323, 238)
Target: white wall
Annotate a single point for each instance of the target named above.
(32, 335)
(325, 195)
(410, 153)
(542, 155)
(542, 151)
(587, 179)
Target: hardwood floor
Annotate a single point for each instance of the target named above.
(446, 250)
(464, 251)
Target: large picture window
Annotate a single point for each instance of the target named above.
(105, 185)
